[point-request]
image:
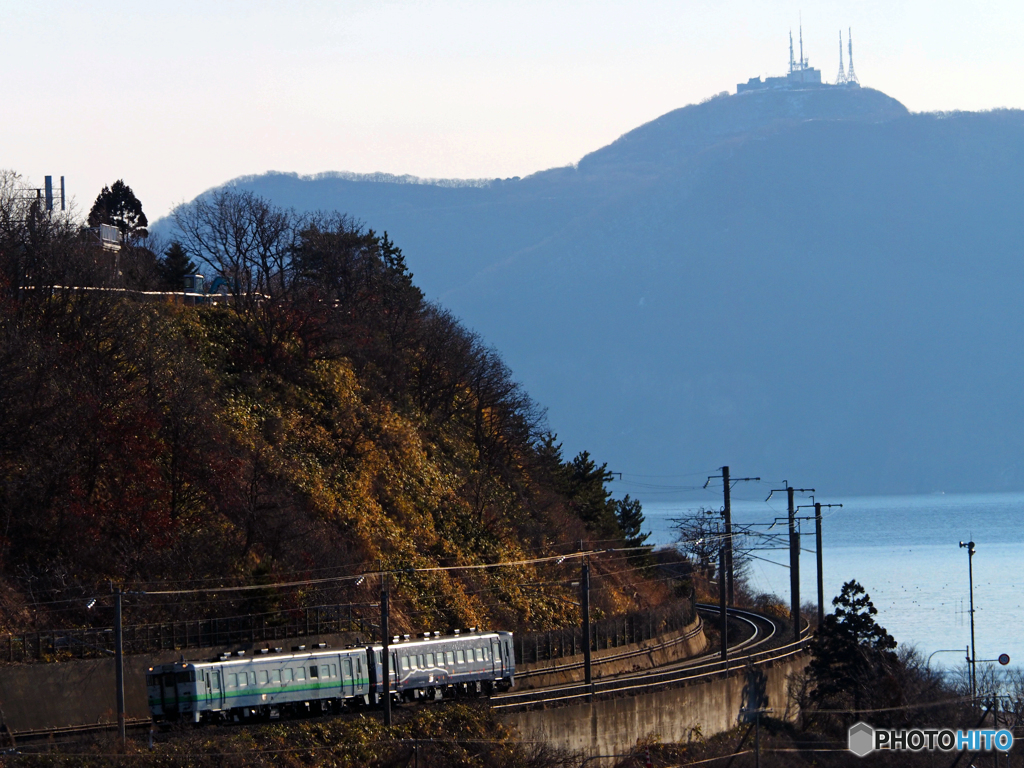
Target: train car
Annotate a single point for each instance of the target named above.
(273, 684)
(266, 685)
(445, 667)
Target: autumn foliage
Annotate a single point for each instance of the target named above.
(324, 419)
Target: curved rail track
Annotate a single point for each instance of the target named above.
(741, 654)
(750, 650)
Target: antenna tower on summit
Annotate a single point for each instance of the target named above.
(841, 77)
(792, 63)
(851, 76)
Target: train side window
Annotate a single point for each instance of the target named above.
(405, 663)
(288, 675)
(232, 680)
(422, 661)
(430, 660)
(334, 668)
(412, 662)
(202, 675)
(252, 678)
(380, 658)
(479, 654)
(264, 677)
(462, 656)
(313, 672)
(487, 656)
(346, 670)
(300, 673)
(275, 675)
(451, 658)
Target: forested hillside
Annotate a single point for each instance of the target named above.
(323, 420)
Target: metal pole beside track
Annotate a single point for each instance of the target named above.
(119, 664)
(386, 649)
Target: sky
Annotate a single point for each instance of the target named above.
(179, 97)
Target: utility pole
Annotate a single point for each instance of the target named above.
(723, 616)
(119, 664)
(385, 647)
(585, 618)
(818, 555)
(727, 514)
(969, 546)
(817, 552)
(794, 556)
(794, 566)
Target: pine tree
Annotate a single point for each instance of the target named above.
(852, 653)
(630, 516)
(118, 206)
(175, 266)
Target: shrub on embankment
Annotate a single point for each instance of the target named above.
(439, 737)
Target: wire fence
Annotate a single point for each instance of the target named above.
(63, 644)
(612, 632)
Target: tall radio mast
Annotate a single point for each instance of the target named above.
(841, 77)
(851, 76)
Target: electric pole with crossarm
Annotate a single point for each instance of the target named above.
(729, 574)
(794, 554)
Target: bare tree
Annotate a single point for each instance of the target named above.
(244, 239)
(699, 536)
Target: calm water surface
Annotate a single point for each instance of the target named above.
(905, 551)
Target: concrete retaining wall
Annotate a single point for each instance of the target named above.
(613, 726)
(35, 696)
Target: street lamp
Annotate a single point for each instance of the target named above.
(969, 546)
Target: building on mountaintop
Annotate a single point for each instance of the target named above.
(802, 75)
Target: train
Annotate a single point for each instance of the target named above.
(321, 680)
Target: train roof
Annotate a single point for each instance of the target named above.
(312, 653)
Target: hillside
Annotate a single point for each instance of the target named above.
(811, 285)
(323, 424)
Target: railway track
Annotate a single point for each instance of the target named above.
(758, 645)
(750, 650)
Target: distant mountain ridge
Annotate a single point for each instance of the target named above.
(812, 284)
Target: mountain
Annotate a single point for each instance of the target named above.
(815, 285)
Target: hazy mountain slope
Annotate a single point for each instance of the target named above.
(816, 287)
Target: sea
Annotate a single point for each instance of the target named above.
(904, 550)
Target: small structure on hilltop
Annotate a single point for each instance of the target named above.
(801, 74)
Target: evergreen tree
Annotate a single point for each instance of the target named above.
(630, 516)
(589, 497)
(852, 654)
(175, 266)
(118, 206)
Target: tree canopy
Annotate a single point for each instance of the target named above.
(852, 655)
(118, 206)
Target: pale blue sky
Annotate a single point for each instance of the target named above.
(178, 97)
